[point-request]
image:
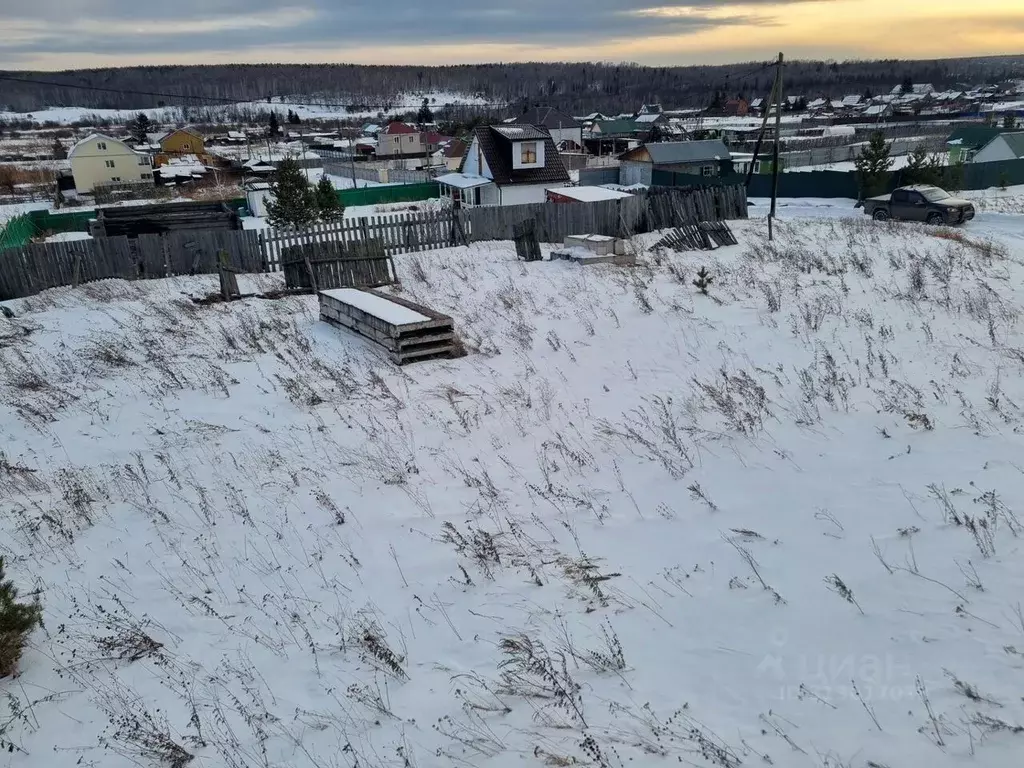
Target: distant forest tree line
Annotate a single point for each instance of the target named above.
(580, 87)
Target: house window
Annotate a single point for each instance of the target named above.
(147, 175)
(110, 163)
(398, 139)
(115, 178)
(757, 167)
(528, 153)
(410, 139)
(101, 145)
(143, 161)
(186, 147)
(707, 170)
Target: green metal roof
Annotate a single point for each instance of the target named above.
(973, 136)
(619, 127)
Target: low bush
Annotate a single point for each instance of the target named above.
(17, 620)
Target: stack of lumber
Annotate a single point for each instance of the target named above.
(409, 332)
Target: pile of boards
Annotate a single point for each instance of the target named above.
(702, 236)
(408, 331)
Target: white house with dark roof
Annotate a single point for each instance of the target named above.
(507, 164)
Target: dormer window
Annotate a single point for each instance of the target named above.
(528, 154)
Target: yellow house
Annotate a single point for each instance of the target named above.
(182, 141)
(99, 160)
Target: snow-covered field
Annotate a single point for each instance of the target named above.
(305, 109)
(635, 526)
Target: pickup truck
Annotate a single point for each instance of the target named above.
(920, 202)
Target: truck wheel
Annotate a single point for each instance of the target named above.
(935, 219)
(880, 215)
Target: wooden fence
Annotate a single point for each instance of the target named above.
(35, 267)
(398, 233)
(410, 232)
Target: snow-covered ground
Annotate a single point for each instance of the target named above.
(305, 109)
(898, 162)
(635, 526)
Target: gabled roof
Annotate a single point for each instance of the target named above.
(673, 152)
(455, 148)
(189, 131)
(973, 136)
(1016, 143)
(617, 127)
(520, 132)
(396, 127)
(549, 117)
(496, 145)
(95, 135)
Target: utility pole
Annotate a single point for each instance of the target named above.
(775, 149)
(760, 135)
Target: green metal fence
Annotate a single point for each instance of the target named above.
(399, 193)
(73, 221)
(17, 231)
(970, 176)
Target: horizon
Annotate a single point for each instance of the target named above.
(126, 33)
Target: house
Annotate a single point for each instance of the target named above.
(852, 100)
(1005, 146)
(818, 104)
(181, 142)
(434, 141)
(562, 127)
(650, 109)
(757, 104)
(967, 140)
(736, 108)
(701, 158)
(878, 111)
(100, 160)
(506, 165)
(453, 152)
(763, 165)
(400, 140)
(617, 128)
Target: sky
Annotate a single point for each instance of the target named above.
(64, 34)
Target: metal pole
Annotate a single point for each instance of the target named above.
(775, 150)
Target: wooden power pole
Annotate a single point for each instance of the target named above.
(775, 149)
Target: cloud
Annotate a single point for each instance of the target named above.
(130, 27)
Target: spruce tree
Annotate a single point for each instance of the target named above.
(140, 127)
(17, 620)
(873, 165)
(1009, 121)
(425, 115)
(274, 127)
(292, 202)
(327, 202)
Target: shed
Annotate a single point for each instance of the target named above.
(701, 158)
(584, 194)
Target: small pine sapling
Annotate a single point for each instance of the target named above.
(703, 280)
(17, 620)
